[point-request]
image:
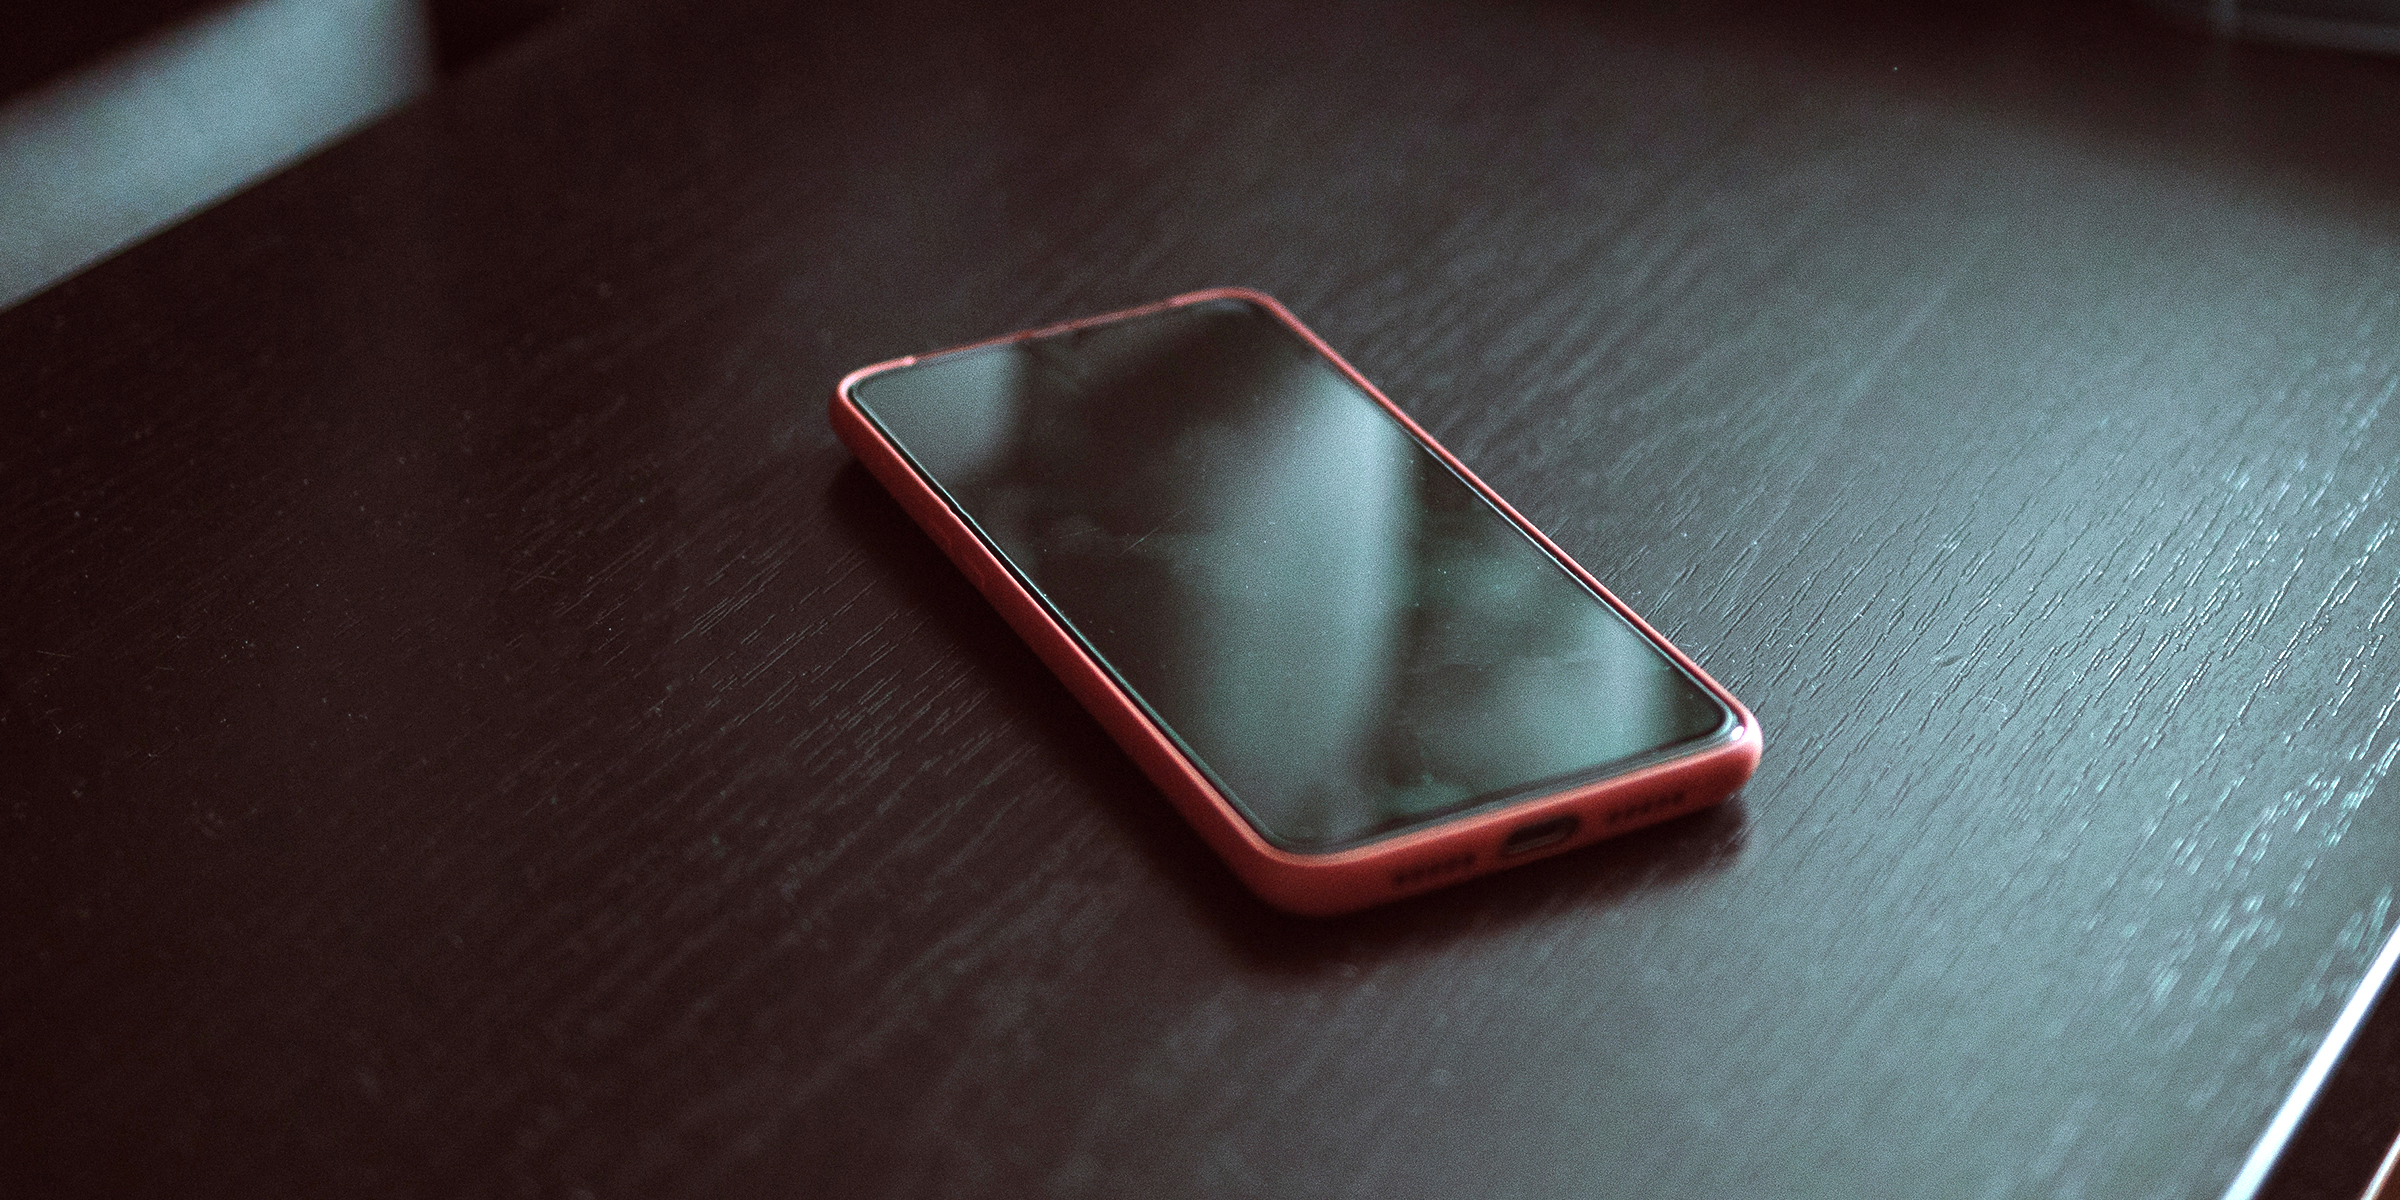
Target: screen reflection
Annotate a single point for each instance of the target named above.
(1345, 636)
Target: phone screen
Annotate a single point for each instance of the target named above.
(1345, 636)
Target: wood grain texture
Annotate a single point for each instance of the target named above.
(481, 735)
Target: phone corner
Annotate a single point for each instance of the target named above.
(1240, 292)
(1749, 746)
(844, 386)
(1720, 773)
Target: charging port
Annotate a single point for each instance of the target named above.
(1540, 834)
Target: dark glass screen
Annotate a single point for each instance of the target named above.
(1344, 635)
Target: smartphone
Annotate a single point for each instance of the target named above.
(1354, 668)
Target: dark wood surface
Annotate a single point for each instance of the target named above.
(469, 729)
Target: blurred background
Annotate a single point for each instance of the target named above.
(119, 116)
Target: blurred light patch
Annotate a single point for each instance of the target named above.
(101, 158)
(2368, 26)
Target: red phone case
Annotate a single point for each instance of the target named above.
(1402, 864)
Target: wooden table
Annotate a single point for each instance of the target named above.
(471, 730)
